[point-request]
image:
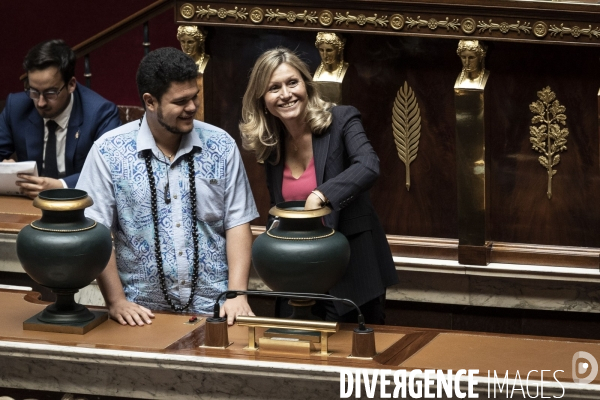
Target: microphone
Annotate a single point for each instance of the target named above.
(232, 294)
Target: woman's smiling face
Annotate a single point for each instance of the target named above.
(286, 97)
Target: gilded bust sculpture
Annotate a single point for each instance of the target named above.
(331, 49)
(472, 55)
(192, 41)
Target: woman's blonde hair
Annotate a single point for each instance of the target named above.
(261, 132)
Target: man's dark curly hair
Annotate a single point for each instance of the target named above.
(161, 67)
(51, 53)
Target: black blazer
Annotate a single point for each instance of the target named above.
(346, 167)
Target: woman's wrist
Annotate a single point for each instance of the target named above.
(324, 200)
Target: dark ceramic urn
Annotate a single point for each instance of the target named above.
(300, 254)
(64, 251)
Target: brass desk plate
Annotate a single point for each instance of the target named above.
(288, 343)
(34, 324)
(285, 345)
(310, 336)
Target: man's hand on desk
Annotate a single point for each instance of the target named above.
(128, 313)
(31, 185)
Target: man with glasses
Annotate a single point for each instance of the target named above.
(55, 121)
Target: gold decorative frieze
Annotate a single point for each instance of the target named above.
(237, 13)
(432, 23)
(350, 20)
(406, 124)
(504, 27)
(574, 31)
(361, 19)
(548, 137)
(291, 16)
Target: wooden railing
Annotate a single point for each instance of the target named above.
(84, 48)
(127, 24)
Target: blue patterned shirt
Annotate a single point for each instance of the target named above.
(116, 178)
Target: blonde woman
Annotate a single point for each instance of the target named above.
(318, 152)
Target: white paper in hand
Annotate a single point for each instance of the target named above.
(8, 175)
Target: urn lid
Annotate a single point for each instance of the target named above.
(295, 209)
(63, 200)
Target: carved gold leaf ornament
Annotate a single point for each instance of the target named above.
(548, 137)
(406, 124)
(291, 16)
(504, 27)
(432, 23)
(574, 31)
(361, 19)
(222, 13)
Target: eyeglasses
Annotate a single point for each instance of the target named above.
(49, 95)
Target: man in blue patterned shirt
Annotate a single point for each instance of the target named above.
(176, 196)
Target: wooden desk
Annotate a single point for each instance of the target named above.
(16, 212)
(164, 360)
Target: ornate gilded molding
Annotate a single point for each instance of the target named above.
(432, 23)
(361, 19)
(406, 124)
(574, 31)
(257, 15)
(397, 22)
(468, 25)
(221, 13)
(548, 138)
(326, 18)
(540, 29)
(187, 10)
(351, 20)
(291, 16)
(504, 27)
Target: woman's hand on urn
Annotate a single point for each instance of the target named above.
(314, 201)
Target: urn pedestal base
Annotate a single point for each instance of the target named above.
(65, 316)
(78, 328)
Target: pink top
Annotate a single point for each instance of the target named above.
(299, 189)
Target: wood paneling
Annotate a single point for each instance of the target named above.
(520, 210)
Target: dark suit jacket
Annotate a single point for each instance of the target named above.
(22, 129)
(346, 167)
